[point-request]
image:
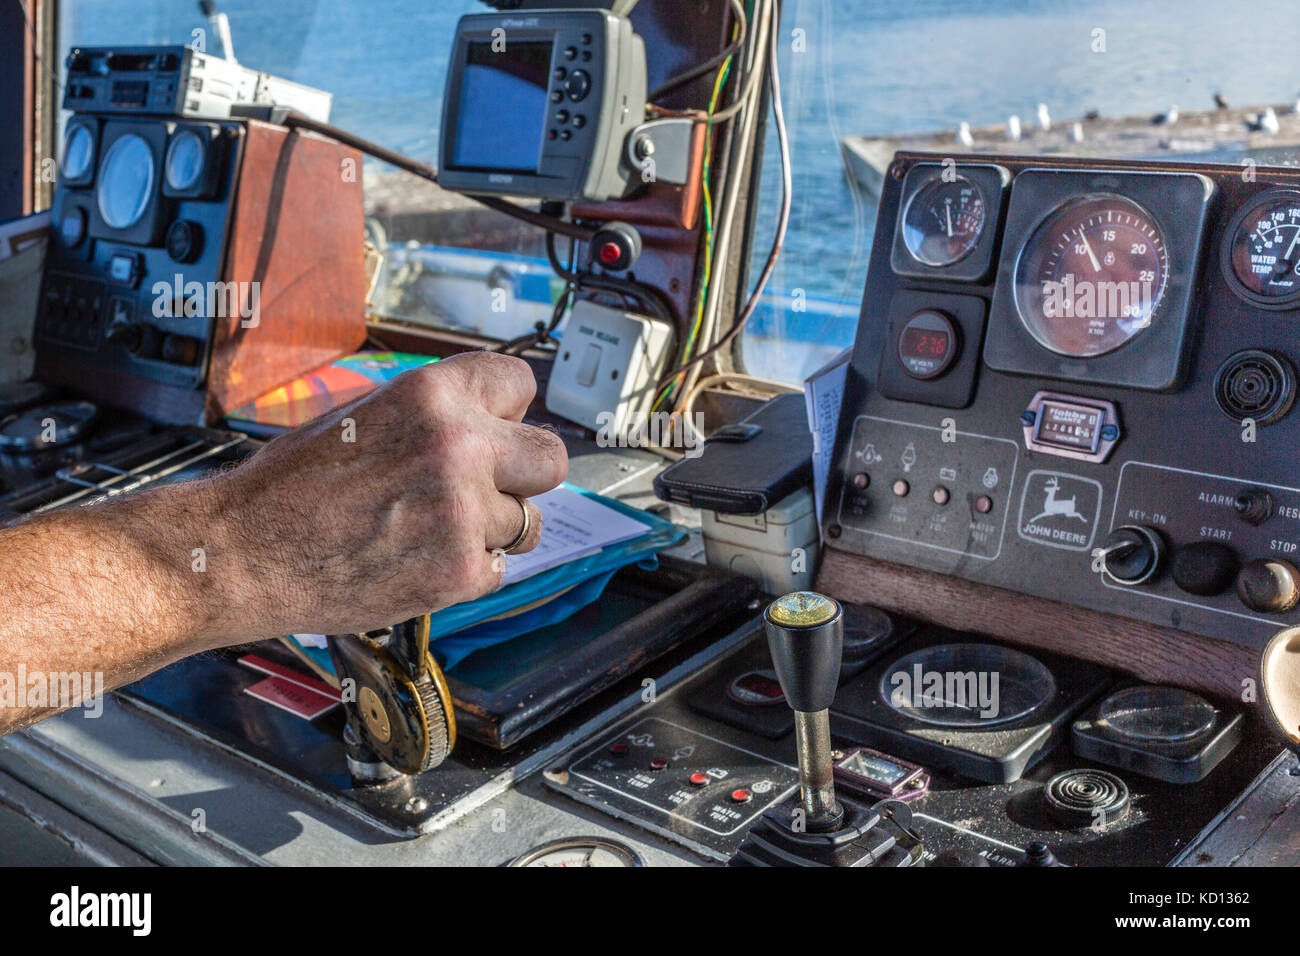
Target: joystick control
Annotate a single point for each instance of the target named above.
(805, 636)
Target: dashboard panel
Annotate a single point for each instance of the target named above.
(1101, 412)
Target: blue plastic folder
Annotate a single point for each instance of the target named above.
(543, 599)
(548, 597)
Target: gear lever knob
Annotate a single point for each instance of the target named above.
(1280, 680)
(805, 635)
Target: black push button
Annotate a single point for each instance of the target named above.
(1204, 568)
(578, 85)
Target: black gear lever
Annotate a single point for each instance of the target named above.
(805, 635)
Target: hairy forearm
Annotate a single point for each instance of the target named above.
(379, 511)
(110, 592)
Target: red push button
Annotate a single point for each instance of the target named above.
(699, 779)
(741, 796)
(659, 763)
(618, 750)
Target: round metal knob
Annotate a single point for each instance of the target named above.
(1269, 585)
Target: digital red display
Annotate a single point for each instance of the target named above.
(925, 343)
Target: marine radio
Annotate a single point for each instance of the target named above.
(178, 81)
(572, 82)
(195, 261)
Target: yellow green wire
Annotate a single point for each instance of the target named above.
(718, 84)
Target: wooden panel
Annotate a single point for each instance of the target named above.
(297, 231)
(1152, 653)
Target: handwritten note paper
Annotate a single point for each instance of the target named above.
(573, 526)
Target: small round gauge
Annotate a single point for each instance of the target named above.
(927, 345)
(1159, 715)
(1092, 275)
(78, 151)
(184, 163)
(1262, 251)
(126, 182)
(579, 851)
(943, 221)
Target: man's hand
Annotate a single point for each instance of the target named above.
(388, 508)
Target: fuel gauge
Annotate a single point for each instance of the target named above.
(943, 221)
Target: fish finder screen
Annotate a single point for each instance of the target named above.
(502, 110)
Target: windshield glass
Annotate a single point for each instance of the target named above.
(862, 78)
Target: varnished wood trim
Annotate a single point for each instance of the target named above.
(1152, 653)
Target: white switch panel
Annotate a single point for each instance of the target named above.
(607, 366)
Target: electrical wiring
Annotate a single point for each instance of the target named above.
(720, 211)
(778, 241)
(743, 135)
(709, 65)
(644, 298)
(706, 267)
(761, 385)
(543, 332)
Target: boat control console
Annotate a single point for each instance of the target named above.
(1075, 381)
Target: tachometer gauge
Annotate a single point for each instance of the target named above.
(579, 851)
(943, 221)
(1262, 250)
(1092, 275)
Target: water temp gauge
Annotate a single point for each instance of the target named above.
(943, 221)
(1262, 254)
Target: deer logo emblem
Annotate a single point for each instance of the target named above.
(1053, 507)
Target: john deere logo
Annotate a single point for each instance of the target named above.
(1059, 510)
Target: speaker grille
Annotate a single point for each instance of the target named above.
(1255, 384)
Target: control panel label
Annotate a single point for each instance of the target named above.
(659, 769)
(1247, 519)
(929, 487)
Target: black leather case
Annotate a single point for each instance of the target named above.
(746, 467)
